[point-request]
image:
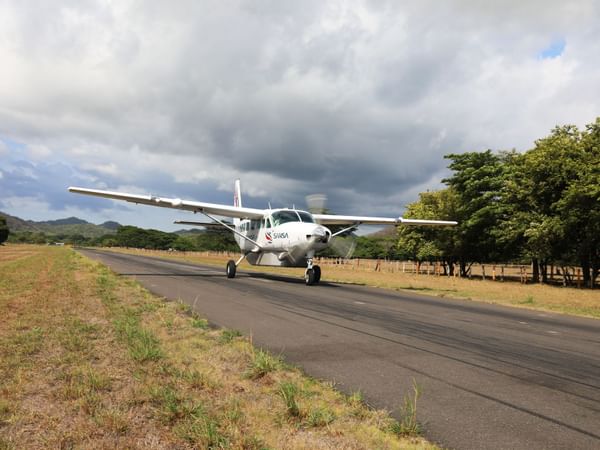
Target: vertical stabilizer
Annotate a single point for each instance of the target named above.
(237, 199)
(237, 194)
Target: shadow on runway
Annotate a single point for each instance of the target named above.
(253, 275)
(171, 274)
(285, 279)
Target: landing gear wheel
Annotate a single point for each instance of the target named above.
(231, 268)
(317, 270)
(309, 277)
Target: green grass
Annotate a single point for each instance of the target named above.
(228, 336)
(262, 363)
(408, 424)
(143, 345)
(288, 391)
(319, 417)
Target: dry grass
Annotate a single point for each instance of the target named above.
(92, 360)
(568, 300)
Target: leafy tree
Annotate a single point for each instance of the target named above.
(4, 232)
(579, 205)
(477, 182)
(534, 194)
(432, 243)
(216, 239)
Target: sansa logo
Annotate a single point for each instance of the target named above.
(268, 236)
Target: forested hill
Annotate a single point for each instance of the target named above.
(62, 227)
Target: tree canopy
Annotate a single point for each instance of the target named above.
(541, 205)
(4, 232)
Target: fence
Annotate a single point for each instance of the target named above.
(495, 272)
(565, 275)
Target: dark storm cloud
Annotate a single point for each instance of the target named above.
(357, 99)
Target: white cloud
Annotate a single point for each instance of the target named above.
(357, 99)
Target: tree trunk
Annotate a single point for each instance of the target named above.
(463, 268)
(544, 270)
(535, 271)
(585, 268)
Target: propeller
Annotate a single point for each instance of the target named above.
(343, 244)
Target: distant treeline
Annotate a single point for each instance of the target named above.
(541, 206)
(130, 236)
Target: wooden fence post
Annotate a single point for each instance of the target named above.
(483, 272)
(494, 272)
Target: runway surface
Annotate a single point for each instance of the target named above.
(492, 377)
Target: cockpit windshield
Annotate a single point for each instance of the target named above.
(285, 216)
(281, 217)
(306, 217)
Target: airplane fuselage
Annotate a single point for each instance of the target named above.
(284, 237)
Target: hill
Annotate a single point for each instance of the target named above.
(68, 227)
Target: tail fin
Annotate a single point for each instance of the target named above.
(237, 194)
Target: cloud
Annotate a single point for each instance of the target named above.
(357, 99)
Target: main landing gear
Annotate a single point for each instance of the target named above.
(232, 266)
(312, 274)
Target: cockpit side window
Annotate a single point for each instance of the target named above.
(306, 217)
(267, 222)
(281, 217)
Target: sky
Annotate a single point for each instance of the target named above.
(359, 100)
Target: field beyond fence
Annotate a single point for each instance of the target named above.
(522, 273)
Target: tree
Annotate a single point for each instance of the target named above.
(477, 182)
(432, 243)
(579, 206)
(535, 189)
(4, 231)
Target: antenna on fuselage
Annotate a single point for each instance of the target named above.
(269, 205)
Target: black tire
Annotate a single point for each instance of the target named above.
(317, 270)
(309, 277)
(231, 268)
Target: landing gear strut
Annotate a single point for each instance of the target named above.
(232, 266)
(312, 274)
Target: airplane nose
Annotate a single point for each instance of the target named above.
(321, 234)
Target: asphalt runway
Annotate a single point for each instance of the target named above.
(492, 377)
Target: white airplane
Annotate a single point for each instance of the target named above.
(268, 237)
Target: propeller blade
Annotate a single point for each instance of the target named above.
(344, 246)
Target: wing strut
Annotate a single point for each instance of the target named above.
(352, 228)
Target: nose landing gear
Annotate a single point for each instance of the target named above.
(312, 274)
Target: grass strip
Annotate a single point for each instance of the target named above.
(92, 360)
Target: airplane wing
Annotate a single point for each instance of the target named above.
(176, 203)
(334, 219)
(207, 225)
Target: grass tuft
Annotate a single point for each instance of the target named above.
(200, 323)
(202, 431)
(262, 363)
(29, 342)
(408, 424)
(288, 391)
(143, 345)
(228, 336)
(528, 300)
(5, 411)
(319, 417)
